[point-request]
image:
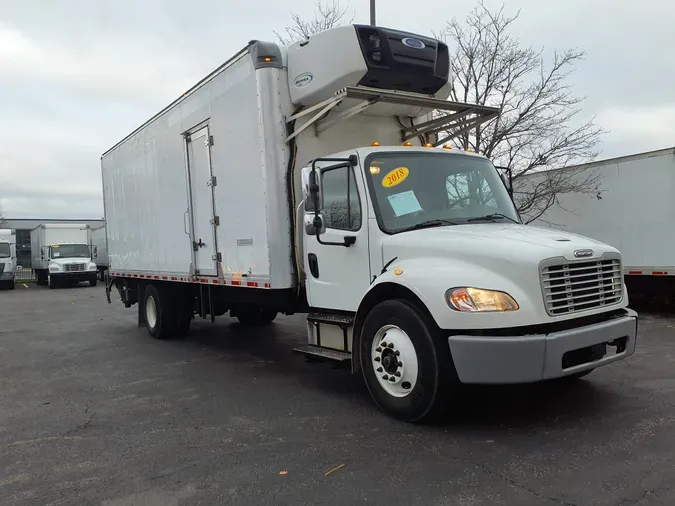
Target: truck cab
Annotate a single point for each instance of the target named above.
(8, 260)
(69, 263)
(423, 254)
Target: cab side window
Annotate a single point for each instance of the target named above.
(341, 203)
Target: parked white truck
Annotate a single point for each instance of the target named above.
(99, 249)
(60, 254)
(630, 208)
(8, 259)
(314, 179)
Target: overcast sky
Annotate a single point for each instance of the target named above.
(78, 75)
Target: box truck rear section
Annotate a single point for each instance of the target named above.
(306, 179)
(629, 207)
(8, 260)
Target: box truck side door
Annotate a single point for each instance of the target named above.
(338, 276)
(201, 192)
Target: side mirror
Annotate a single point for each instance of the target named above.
(95, 251)
(311, 189)
(506, 176)
(42, 253)
(314, 224)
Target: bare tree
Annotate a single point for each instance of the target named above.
(326, 15)
(539, 126)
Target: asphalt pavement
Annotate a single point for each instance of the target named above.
(95, 411)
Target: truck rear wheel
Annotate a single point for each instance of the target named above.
(159, 316)
(406, 362)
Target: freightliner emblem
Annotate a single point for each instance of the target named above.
(583, 253)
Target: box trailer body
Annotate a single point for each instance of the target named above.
(630, 209)
(307, 179)
(99, 249)
(60, 254)
(8, 260)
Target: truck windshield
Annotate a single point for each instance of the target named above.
(4, 250)
(412, 190)
(70, 251)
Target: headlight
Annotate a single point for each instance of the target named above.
(54, 268)
(472, 300)
(92, 267)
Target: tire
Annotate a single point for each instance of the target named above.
(159, 315)
(92, 282)
(12, 285)
(51, 282)
(40, 278)
(424, 362)
(256, 317)
(168, 314)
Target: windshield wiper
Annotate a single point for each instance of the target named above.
(428, 224)
(493, 217)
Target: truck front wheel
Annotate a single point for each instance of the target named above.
(51, 281)
(406, 362)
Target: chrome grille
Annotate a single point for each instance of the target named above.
(73, 267)
(579, 286)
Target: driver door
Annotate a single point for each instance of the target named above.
(338, 276)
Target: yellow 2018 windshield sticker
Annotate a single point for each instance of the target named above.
(395, 177)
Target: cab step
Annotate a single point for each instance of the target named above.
(314, 352)
(331, 319)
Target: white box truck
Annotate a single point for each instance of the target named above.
(99, 250)
(8, 261)
(60, 254)
(314, 179)
(631, 209)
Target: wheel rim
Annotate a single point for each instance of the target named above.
(394, 361)
(151, 311)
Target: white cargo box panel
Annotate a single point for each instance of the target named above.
(230, 130)
(632, 209)
(98, 239)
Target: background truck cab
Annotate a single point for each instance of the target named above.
(8, 262)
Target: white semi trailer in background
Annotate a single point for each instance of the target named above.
(8, 260)
(99, 249)
(632, 209)
(60, 254)
(314, 179)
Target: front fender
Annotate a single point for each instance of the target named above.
(429, 279)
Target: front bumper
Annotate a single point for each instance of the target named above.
(531, 358)
(74, 276)
(7, 276)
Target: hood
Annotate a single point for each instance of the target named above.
(69, 261)
(507, 243)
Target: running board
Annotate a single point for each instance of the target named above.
(331, 319)
(311, 351)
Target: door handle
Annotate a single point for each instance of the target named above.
(196, 245)
(313, 262)
(185, 222)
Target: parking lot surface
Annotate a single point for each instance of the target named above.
(94, 411)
